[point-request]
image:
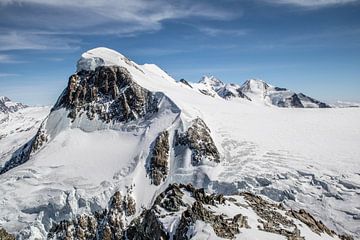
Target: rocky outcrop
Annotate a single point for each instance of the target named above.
(5, 235)
(184, 206)
(313, 101)
(271, 219)
(108, 93)
(183, 81)
(158, 169)
(107, 225)
(292, 101)
(146, 227)
(22, 155)
(230, 91)
(198, 139)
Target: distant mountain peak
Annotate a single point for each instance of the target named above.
(255, 85)
(8, 106)
(211, 81)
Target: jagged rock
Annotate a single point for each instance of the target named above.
(5, 235)
(129, 203)
(185, 205)
(108, 224)
(159, 160)
(271, 220)
(303, 97)
(310, 221)
(292, 101)
(198, 139)
(183, 81)
(147, 227)
(23, 154)
(108, 92)
(231, 90)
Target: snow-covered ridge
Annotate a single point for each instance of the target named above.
(256, 91)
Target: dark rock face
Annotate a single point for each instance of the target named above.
(159, 160)
(146, 227)
(225, 93)
(280, 89)
(109, 92)
(23, 154)
(205, 92)
(303, 97)
(199, 140)
(107, 225)
(292, 101)
(183, 81)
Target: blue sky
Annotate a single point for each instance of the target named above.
(310, 46)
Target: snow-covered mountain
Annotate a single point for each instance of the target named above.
(126, 151)
(8, 106)
(256, 91)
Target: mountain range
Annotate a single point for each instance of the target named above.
(127, 152)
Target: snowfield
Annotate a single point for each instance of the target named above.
(304, 157)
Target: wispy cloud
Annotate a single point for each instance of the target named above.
(5, 75)
(4, 58)
(27, 40)
(211, 31)
(312, 3)
(56, 24)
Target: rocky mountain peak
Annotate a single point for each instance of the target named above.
(255, 86)
(108, 92)
(212, 81)
(8, 106)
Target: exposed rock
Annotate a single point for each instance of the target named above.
(198, 139)
(231, 90)
(303, 97)
(146, 227)
(108, 224)
(159, 159)
(310, 221)
(183, 205)
(183, 81)
(271, 220)
(21, 155)
(5, 235)
(109, 93)
(292, 101)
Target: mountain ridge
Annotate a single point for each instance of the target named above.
(101, 156)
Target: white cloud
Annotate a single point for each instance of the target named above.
(5, 75)
(312, 3)
(22, 41)
(218, 31)
(37, 24)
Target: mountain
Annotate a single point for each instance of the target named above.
(256, 91)
(129, 153)
(7, 106)
(281, 97)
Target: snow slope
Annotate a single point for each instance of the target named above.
(305, 158)
(19, 127)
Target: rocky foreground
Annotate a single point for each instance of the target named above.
(184, 212)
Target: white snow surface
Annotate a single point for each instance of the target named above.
(308, 158)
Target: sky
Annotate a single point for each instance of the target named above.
(309, 46)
